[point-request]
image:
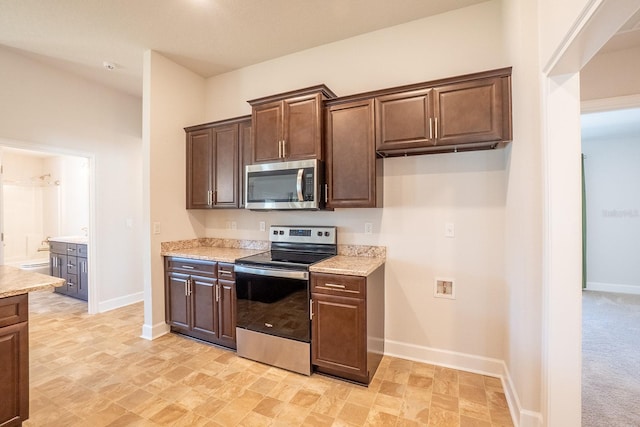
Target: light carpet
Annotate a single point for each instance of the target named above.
(610, 359)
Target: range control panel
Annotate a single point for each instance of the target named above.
(303, 234)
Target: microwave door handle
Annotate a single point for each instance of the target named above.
(299, 185)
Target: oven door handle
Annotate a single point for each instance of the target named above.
(273, 272)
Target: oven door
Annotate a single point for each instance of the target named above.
(273, 301)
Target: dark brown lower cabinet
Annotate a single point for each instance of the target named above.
(197, 303)
(347, 324)
(14, 360)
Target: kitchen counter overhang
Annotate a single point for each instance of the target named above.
(14, 281)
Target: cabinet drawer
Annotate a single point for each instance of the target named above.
(191, 266)
(72, 249)
(58, 247)
(82, 251)
(72, 265)
(13, 310)
(226, 272)
(334, 284)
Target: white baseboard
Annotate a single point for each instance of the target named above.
(156, 331)
(123, 301)
(613, 287)
(470, 363)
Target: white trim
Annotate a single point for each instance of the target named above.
(470, 363)
(613, 287)
(607, 104)
(156, 331)
(120, 302)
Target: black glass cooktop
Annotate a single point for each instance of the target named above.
(286, 259)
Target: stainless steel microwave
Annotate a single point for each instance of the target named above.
(284, 185)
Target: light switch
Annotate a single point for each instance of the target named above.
(156, 228)
(449, 230)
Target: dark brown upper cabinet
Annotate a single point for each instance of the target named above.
(353, 171)
(244, 157)
(463, 113)
(288, 126)
(214, 163)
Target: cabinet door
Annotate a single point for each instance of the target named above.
(227, 312)
(58, 266)
(176, 300)
(244, 139)
(14, 374)
(352, 170)
(303, 128)
(225, 166)
(199, 173)
(204, 310)
(83, 279)
(267, 132)
(469, 112)
(339, 335)
(403, 120)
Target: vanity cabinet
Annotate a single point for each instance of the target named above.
(288, 126)
(353, 171)
(69, 261)
(464, 113)
(214, 164)
(347, 323)
(197, 303)
(14, 360)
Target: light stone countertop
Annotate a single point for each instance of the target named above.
(14, 281)
(348, 265)
(211, 253)
(82, 240)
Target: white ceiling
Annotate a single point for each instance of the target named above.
(209, 37)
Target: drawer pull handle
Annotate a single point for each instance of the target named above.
(225, 273)
(333, 285)
(188, 267)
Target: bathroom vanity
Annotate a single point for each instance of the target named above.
(68, 261)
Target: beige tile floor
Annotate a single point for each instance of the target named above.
(96, 371)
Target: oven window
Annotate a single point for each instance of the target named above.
(273, 305)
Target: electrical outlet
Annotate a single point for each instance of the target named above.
(156, 228)
(368, 228)
(263, 226)
(444, 288)
(234, 225)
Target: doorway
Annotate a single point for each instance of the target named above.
(43, 196)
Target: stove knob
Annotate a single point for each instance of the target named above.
(275, 232)
(319, 233)
(282, 232)
(326, 233)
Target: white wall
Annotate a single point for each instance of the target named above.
(48, 109)
(72, 173)
(421, 193)
(523, 226)
(612, 180)
(173, 99)
(611, 74)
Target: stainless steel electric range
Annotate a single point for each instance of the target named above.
(273, 314)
